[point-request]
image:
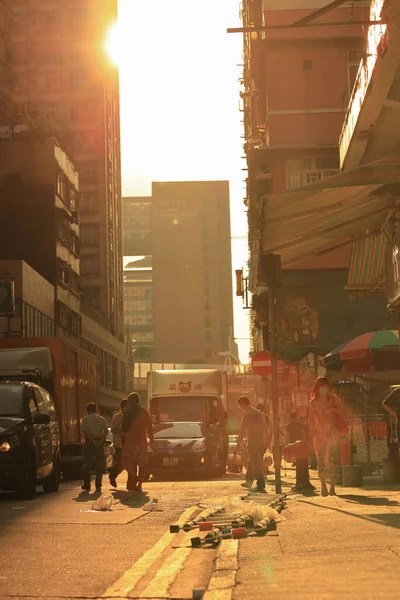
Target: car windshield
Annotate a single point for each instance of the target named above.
(11, 400)
(178, 408)
(178, 430)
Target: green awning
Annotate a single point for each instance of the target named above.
(367, 271)
(316, 218)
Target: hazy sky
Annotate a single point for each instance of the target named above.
(180, 117)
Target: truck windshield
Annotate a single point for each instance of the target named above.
(11, 400)
(178, 408)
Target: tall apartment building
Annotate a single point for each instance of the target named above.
(297, 84)
(139, 307)
(183, 308)
(59, 78)
(63, 82)
(192, 271)
(39, 198)
(136, 213)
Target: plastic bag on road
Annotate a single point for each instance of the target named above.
(103, 503)
(153, 506)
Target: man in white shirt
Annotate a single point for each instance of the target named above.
(116, 428)
(95, 430)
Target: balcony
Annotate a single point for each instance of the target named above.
(372, 121)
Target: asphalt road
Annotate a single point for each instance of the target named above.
(51, 548)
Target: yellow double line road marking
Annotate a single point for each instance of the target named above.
(166, 575)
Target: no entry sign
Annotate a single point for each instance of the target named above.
(262, 363)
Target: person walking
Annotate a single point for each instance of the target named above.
(95, 430)
(136, 428)
(294, 429)
(326, 427)
(254, 428)
(116, 429)
(261, 407)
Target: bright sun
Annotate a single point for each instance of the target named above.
(114, 44)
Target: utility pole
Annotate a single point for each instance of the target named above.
(275, 390)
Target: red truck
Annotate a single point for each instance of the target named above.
(68, 373)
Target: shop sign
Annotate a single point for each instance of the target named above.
(297, 313)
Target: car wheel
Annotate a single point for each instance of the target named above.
(26, 489)
(52, 483)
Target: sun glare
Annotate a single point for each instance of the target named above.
(114, 44)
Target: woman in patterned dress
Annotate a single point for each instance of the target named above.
(326, 427)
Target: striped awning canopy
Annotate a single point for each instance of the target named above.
(313, 219)
(367, 271)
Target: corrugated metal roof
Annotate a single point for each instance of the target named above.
(312, 219)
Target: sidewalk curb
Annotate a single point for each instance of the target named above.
(223, 578)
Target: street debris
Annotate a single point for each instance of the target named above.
(221, 520)
(153, 506)
(238, 519)
(255, 511)
(103, 503)
(18, 508)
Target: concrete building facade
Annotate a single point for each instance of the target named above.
(62, 81)
(34, 302)
(299, 72)
(56, 78)
(39, 197)
(39, 194)
(189, 305)
(192, 271)
(139, 307)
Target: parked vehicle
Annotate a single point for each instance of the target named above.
(66, 372)
(185, 448)
(193, 396)
(29, 439)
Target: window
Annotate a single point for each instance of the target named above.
(144, 337)
(139, 319)
(62, 186)
(84, 111)
(49, 20)
(55, 80)
(90, 233)
(33, 409)
(88, 170)
(91, 295)
(89, 200)
(32, 80)
(40, 401)
(90, 265)
(301, 171)
(79, 77)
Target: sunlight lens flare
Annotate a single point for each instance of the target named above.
(114, 44)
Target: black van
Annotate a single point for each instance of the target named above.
(29, 439)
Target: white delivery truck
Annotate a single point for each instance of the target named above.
(192, 396)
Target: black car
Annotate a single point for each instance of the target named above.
(29, 439)
(186, 447)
